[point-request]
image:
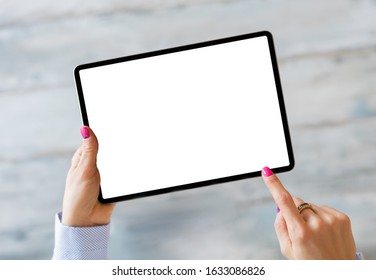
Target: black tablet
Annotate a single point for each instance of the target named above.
(186, 117)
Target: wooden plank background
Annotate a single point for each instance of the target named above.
(327, 56)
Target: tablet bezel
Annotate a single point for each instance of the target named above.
(185, 48)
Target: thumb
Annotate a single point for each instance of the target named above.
(89, 146)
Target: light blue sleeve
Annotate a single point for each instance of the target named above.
(80, 243)
(359, 256)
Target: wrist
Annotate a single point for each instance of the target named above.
(83, 221)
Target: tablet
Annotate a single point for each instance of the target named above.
(186, 117)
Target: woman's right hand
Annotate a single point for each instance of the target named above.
(317, 232)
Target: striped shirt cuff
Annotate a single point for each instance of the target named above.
(80, 243)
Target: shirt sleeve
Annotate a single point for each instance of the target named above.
(359, 256)
(80, 243)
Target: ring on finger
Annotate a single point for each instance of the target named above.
(304, 206)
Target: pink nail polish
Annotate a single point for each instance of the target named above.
(267, 172)
(85, 132)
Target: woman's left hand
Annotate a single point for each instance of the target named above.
(81, 207)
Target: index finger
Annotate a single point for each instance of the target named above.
(283, 199)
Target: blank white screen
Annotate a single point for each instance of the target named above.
(185, 117)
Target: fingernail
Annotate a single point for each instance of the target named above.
(85, 132)
(267, 172)
(278, 210)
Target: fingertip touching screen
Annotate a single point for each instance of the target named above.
(186, 117)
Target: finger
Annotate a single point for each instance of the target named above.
(327, 213)
(318, 210)
(331, 215)
(330, 210)
(283, 235)
(283, 200)
(89, 147)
